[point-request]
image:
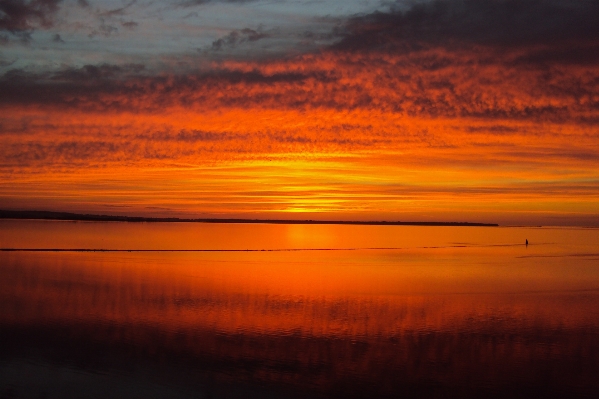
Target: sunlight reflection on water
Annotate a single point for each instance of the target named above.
(460, 320)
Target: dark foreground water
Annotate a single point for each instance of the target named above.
(324, 311)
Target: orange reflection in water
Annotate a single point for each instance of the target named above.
(362, 293)
(478, 317)
(215, 236)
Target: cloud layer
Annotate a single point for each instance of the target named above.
(440, 110)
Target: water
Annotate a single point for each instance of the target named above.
(297, 311)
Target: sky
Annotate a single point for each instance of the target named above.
(448, 110)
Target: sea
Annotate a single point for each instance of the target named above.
(208, 310)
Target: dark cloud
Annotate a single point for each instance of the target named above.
(427, 93)
(71, 87)
(57, 39)
(130, 24)
(582, 53)
(30, 152)
(237, 37)
(190, 136)
(190, 3)
(500, 23)
(118, 11)
(106, 86)
(22, 16)
(496, 129)
(434, 82)
(310, 38)
(96, 72)
(104, 29)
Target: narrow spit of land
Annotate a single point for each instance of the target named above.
(47, 215)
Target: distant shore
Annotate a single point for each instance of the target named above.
(47, 215)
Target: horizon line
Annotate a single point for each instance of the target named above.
(253, 249)
(69, 216)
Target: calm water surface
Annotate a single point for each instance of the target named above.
(306, 311)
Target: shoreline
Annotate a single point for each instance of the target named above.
(66, 216)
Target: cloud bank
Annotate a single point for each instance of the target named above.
(442, 106)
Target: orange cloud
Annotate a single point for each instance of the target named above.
(429, 134)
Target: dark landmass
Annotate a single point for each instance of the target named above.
(47, 215)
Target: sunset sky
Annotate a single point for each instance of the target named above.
(457, 110)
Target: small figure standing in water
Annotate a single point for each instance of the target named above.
(527, 242)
